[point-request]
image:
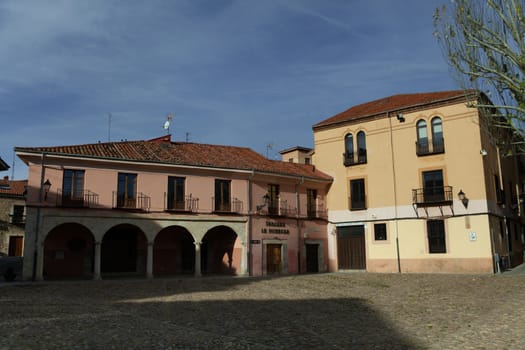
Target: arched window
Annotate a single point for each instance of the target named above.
(349, 149)
(422, 137)
(437, 135)
(361, 147)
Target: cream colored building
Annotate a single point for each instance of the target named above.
(419, 187)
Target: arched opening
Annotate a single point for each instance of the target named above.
(69, 252)
(124, 250)
(361, 147)
(173, 252)
(219, 254)
(422, 137)
(437, 135)
(349, 149)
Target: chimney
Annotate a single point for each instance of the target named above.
(6, 178)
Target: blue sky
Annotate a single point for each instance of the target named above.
(235, 72)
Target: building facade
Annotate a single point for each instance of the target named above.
(156, 208)
(12, 217)
(419, 186)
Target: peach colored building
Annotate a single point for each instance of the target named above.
(154, 208)
(419, 186)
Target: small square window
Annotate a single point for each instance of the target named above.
(380, 232)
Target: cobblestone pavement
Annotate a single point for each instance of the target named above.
(325, 311)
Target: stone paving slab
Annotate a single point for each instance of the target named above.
(322, 311)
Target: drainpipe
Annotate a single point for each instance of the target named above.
(299, 247)
(250, 226)
(37, 228)
(395, 191)
(501, 186)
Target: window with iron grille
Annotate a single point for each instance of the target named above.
(357, 194)
(380, 232)
(436, 236)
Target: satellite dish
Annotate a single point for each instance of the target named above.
(167, 125)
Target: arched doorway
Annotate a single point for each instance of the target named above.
(69, 252)
(219, 255)
(124, 250)
(173, 252)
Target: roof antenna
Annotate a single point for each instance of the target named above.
(269, 146)
(169, 117)
(109, 127)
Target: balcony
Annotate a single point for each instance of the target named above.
(277, 207)
(424, 148)
(432, 196)
(190, 204)
(350, 159)
(138, 202)
(313, 212)
(234, 206)
(78, 199)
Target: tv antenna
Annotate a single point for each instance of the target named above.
(109, 127)
(169, 117)
(269, 146)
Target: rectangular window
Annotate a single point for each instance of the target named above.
(436, 236)
(73, 187)
(380, 232)
(18, 214)
(127, 190)
(433, 189)
(273, 199)
(357, 194)
(222, 195)
(176, 193)
(311, 203)
(499, 192)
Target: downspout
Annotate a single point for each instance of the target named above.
(250, 226)
(37, 228)
(297, 205)
(395, 192)
(502, 188)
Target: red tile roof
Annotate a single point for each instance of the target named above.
(396, 103)
(163, 151)
(12, 187)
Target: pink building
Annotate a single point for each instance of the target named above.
(157, 207)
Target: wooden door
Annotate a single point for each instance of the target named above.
(312, 258)
(15, 245)
(273, 258)
(351, 252)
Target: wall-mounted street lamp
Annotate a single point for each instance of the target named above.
(463, 198)
(47, 187)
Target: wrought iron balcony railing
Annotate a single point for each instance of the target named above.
(189, 204)
(77, 199)
(277, 207)
(316, 213)
(424, 148)
(429, 196)
(232, 206)
(350, 159)
(139, 202)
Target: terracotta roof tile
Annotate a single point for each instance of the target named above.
(12, 187)
(163, 151)
(395, 103)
